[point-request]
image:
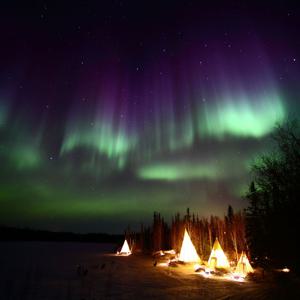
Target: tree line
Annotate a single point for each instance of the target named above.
(230, 230)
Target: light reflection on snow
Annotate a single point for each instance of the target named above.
(226, 277)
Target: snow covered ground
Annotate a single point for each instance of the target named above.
(71, 271)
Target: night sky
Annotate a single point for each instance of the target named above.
(110, 110)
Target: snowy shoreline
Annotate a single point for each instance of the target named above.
(45, 271)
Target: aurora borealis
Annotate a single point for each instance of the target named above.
(110, 111)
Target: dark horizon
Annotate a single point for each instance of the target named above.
(11, 234)
(112, 110)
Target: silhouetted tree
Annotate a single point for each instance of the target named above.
(274, 207)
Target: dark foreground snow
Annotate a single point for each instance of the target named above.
(31, 271)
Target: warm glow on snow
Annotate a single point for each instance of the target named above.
(170, 252)
(196, 267)
(188, 252)
(286, 270)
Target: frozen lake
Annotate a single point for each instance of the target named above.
(42, 270)
(45, 270)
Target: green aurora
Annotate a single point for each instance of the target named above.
(105, 120)
(113, 156)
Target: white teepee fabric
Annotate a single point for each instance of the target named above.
(188, 252)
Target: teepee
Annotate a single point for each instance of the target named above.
(217, 258)
(243, 266)
(188, 252)
(125, 249)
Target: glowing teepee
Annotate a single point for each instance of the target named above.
(125, 249)
(243, 267)
(217, 258)
(188, 252)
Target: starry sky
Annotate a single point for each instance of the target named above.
(110, 110)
